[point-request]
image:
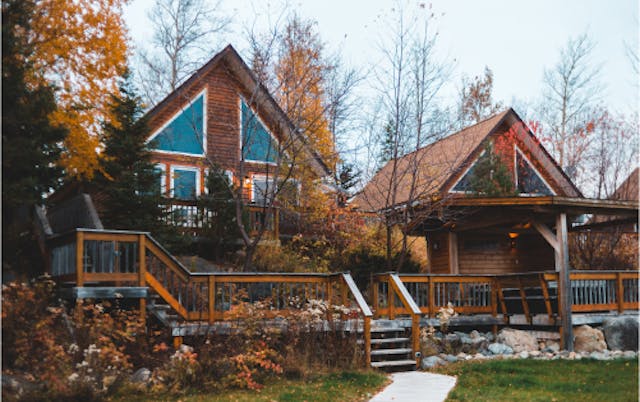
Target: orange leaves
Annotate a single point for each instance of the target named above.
(81, 47)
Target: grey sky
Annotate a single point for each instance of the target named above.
(516, 39)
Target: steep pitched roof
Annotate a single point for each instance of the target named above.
(628, 190)
(235, 65)
(434, 164)
(440, 164)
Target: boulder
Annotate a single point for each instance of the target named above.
(629, 354)
(523, 355)
(141, 376)
(587, 339)
(500, 349)
(518, 340)
(621, 333)
(451, 358)
(432, 361)
(551, 347)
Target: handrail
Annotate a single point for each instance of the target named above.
(404, 295)
(351, 285)
(406, 299)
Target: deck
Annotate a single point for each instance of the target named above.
(106, 263)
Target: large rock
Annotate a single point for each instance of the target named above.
(141, 376)
(432, 361)
(587, 339)
(500, 349)
(621, 333)
(518, 340)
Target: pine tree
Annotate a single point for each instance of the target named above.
(221, 229)
(30, 145)
(129, 180)
(491, 177)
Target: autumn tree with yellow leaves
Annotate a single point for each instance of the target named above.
(81, 47)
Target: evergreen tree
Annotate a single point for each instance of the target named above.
(221, 231)
(389, 144)
(491, 176)
(129, 180)
(30, 144)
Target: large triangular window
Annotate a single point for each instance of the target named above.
(185, 132)
(464, 184)
(528, 179)
(257, 143)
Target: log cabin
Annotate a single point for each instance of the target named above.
(223, 116)
(467, 231)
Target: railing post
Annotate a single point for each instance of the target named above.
(432, 298)
(415, 337)
(79, 258)
(329, 290)
(142, 270)
(212, 299)
(391, 299)
(345, 294)
(367, 339)
(620, 292)
(375, 296)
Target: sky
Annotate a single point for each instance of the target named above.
(516, 39)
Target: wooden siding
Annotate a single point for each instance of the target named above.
(438, 246)
(480, 253)
(223, 126)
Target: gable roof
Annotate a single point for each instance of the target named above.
(440, 164)
(628, 190)
(234, 64)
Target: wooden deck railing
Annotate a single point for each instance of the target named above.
(193, 217)
(128, 258)
(528, 293)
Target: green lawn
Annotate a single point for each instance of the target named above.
(539, 380)
(344, 386)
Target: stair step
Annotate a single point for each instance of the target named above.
(398, 351)
(161, 306)
(386, 329)
(393, 363)
(378, 341)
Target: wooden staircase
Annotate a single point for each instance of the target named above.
(391, 346)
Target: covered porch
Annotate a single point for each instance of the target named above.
(515, 250)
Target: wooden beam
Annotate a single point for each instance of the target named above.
(79, 258)
(453, 253)
(564, 281)
(548, 235)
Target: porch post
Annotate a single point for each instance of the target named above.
(564, 281)
(453, 253)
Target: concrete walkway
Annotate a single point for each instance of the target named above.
(416, 386)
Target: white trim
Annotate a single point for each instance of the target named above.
(266, 127)
(163, 177)
(188, 169)
(265, 178)
(464, 174)
(229, 174)
(515, 168)
(175, 116)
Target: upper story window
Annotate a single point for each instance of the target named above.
(528, 180)
(185, 183)
(185, 132)
(257, 142)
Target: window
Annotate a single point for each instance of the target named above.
(185, 131)
(464, 184)
(185, 183)
(528, 180)
(160, 170)
(257, 143)
(262, 190)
